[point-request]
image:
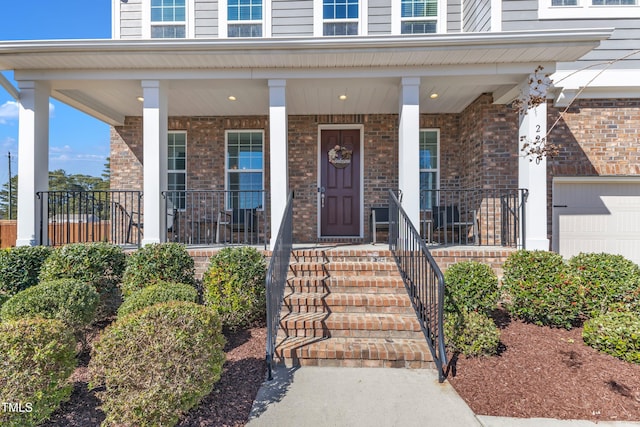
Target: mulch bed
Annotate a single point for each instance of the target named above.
(549, 373)
(228, 404)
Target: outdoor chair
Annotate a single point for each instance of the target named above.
(379, 219)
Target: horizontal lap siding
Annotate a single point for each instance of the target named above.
(379, 17)
(131, 19)
(454, 16)
(523, 15)
(292, 18)
(477, 16)
(206, 19)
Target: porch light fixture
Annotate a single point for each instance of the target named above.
(433, 95)
(141, 99)
(342, 97)
(231, 98)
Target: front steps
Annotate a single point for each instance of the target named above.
(347, 307)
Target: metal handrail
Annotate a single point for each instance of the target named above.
(277, 279)
(422, 278)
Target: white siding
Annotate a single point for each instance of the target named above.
(131, 19)
(454, 10)
(206, 25)
(380, 17)
(477, 16)
(292, 18)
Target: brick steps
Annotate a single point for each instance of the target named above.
(348, 308)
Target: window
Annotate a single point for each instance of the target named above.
(340, 17)
(177, 169)
(245, 177)
(581, 9)
(168, 19)
(244, 18)
(419, 16)
(429, 164)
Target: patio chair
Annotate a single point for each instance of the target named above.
(379, 219)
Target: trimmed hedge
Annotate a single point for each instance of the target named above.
(67, 300)
(615, 333)
(157, 363)
(471, 333)
(20, 268)
(154, 294)
(168, 262)
(540, 289)
(606, 280)
(234, 285)
(38, 356)
(471, 286)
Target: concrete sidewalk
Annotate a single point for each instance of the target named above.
(375, 397)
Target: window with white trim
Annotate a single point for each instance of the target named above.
(245, 169)
(419, 16)
(168, 19)
(429, 166)
(340, 17)
(244, 18)
(581, 9)
(177, 168)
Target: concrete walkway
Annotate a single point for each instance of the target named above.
(375, 397)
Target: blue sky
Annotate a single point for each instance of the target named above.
(78, 143)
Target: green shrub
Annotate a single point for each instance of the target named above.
(157, 363)
(20, 267)
(471, 333)
(234, 285)
(169, 262)
(471, 286)
(606, 280)
(540, 289)
(154, 294)
(38, 356)
(69, 301)
(615, 333)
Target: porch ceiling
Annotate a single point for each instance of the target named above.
(102, 77)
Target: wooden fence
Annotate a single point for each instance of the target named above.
(61, 233)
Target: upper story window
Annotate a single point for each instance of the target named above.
(244, 18)
(168, 19)
(419, 16)
(340, 17)
(589, 9)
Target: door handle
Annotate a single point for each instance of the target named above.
(322, 200)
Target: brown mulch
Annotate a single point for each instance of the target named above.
(228, 404)
(548, 373)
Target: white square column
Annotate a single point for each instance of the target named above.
(33, 161)
(532, 175)
(154, 128)
(409, 148)
(278, 156)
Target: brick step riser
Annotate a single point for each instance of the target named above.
(348, 309)
(354, 363)
(324, 273)
(346, 258)
(352, 333)
(341, 289)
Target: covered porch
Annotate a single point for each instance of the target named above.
(379, 99)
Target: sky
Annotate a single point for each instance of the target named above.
(78, 143)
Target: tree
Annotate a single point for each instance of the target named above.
(4, 199)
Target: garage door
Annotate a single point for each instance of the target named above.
(600, 214)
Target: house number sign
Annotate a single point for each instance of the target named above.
(340, 156)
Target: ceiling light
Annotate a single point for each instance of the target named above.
(141, 99)
(231, 98)
(433, 95)
(342, 97)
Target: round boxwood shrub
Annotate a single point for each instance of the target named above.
(540, 289)
(615, 333)
(67, 300)
(471, 333)
(154, 294)
(169, 262)
(157, 363)
(234, 284)
(38, 356)
(606, 280)
(471, 286)
(20, 268)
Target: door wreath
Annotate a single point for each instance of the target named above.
(340, 156)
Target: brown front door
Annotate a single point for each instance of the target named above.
(340, 182)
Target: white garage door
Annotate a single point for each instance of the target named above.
(599, 214)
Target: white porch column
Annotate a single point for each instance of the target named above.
(33, 160)
(279, 165)
(409, 148)
(154, 128)
(532, 175)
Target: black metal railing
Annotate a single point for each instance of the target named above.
(422, 278)
(277, 279)
(485, 217)
(112, 216)
(216, 217)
